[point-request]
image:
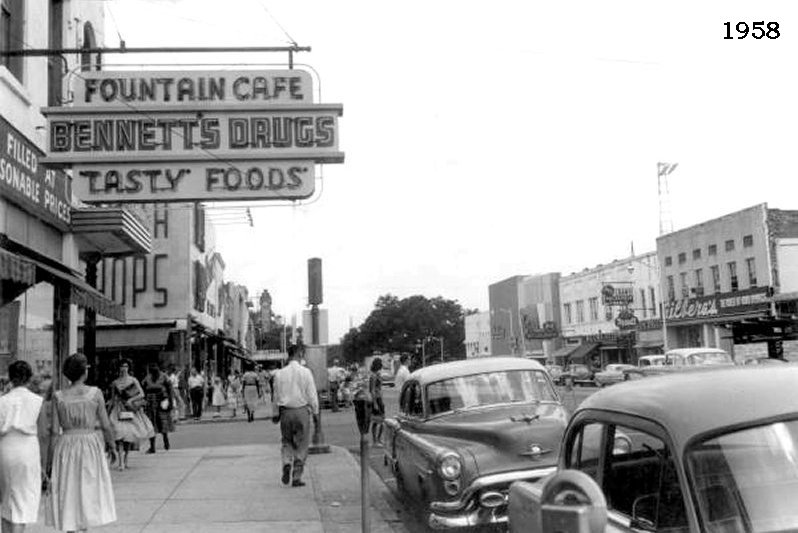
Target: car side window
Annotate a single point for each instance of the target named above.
(641, 482)
(404, 399)
(415, 407)
(586, 449)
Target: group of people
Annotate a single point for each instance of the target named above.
(238, 391)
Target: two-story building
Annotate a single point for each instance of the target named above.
(477, 335)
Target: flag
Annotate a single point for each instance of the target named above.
(663, 169)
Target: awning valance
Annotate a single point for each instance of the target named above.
(110, 231)
(18, 269)
(582, 352)
(132, 336)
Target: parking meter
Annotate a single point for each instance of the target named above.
(572, 502)
(363, 405)
(363, 402)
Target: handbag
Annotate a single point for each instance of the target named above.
(125, 415)
(164, 405)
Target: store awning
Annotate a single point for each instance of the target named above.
(565, 351)
(135, 336)
(654, 343)
(582, 351)
(109, 231)
(18, 269)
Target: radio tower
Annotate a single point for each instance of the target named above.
(665, 218)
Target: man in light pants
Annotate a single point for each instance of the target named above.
(295, 400)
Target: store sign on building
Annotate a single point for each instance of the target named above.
(617, 294)
(718, 305)
(548, 330)
(194, 136)
(25, 182)
(626, 320)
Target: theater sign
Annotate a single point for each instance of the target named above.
(194, 136)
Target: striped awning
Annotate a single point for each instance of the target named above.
(16, 269)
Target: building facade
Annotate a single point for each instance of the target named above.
(477, 335)
(525, 315)
(45, 232)
(730, 282)
(611, 313)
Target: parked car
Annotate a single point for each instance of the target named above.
(681, 360)
(555, 372)
(578, 373)
(612, 373)
(466, 430)
(763, 361)
(708, 453)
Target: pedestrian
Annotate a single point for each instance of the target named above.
(233, 391)
(263, 379)
(377, 405)
(177, 402)
(402, 373)
(131, 425)
(270, 378)
(335, 375)
(250, 387)
(20, 461)
(218, 399)
(158, 391)
(80, 491)
(195, 383)
(295, 401)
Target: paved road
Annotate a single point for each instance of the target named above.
(339, 429)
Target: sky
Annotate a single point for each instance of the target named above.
(485, 140)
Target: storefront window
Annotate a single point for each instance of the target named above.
(26, 331)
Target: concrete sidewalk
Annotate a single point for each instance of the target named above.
(238, 489)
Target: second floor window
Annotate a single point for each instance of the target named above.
(593, 302)
(653, 301)
(748, 241)
(685, 287)
(643, 302)
(730, 245)
(580, 311)
(697, 253)
(668, 261)
(733, 284)
(682, 258)
(750, 264)
(715, 278)
(569, 319)
(699, 282)
(671, 289)
(11, 36)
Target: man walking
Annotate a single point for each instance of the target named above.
(336, 376)
(295, 400)
(402, 373)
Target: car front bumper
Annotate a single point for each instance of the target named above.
(469, 512)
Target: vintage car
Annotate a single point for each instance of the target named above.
(577, 374)
(466, 430)
(612, 373)
(706, 452)
(681, 360)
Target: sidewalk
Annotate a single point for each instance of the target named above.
(263, 411)
(238, 489)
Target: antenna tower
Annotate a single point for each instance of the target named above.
(663, 193)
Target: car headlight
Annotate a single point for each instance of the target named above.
(450, 466)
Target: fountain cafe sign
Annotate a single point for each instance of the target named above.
(718, 305)
(147, 136)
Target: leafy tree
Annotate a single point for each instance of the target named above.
(401, 325)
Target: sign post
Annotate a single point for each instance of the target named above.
(363, 405)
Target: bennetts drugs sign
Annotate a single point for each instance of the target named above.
(194, 136)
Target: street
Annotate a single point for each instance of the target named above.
(339, 429)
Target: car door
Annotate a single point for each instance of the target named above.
(635, 467)
(407, 454)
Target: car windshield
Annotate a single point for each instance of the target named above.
(747, 480)
(490, 388)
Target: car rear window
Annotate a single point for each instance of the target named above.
(489, 389)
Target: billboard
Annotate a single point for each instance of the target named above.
(617, 294)
(193, 136)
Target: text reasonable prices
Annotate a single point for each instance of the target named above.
(757, 30)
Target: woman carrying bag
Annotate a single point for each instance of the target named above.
(158, 391)
(127, 417)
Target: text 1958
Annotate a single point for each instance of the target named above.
(757, 30)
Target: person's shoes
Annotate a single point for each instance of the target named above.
(151, 450)
(286, 474)
(165, 444)
(298, 483)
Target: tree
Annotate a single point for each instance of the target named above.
(400, 326)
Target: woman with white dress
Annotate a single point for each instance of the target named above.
(81, 494)
(20, 462)
(127, 417)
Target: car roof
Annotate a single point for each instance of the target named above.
(689, 403)
(453, 369)
(684, 352)
(652, 357)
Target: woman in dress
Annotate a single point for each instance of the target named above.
(233, 391)
(378, 407)
(20, 462)
(250, 386)
(81, 494)
(218, 399)
(127, 417)
(158, 391)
